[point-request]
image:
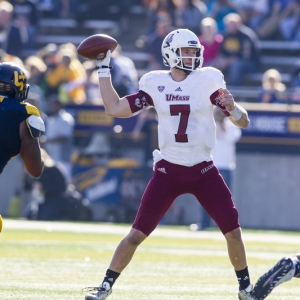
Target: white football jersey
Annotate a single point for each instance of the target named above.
(186, 127)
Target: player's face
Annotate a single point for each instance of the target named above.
(188, 55)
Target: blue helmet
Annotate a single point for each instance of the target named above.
(13, 81)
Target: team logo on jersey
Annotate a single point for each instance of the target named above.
(160, 88)
(138, 102)
(141, 102)
(171, 97)
(169, 39)
(178, 90)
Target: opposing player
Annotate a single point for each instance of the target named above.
(20, 122)
(184, 98)
(284, 270)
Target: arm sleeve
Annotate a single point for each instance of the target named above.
(139, 101)
(214, 99)
(219, 83)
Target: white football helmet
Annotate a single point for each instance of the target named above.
(171, 49)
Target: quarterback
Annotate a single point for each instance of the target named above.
(184, 98)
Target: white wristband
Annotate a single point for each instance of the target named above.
(103, 72)
(236, 113)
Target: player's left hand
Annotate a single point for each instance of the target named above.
(226, 99)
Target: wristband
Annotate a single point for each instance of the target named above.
(104, 72)
(236, 113)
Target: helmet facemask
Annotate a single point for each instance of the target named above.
(188, 68)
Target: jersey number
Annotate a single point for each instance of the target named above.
(184, 111)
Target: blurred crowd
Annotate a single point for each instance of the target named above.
(230, 31)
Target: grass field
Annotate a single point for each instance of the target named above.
(52, 260)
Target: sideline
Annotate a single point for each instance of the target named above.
(161, 231)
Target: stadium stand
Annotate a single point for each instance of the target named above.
(281, 55)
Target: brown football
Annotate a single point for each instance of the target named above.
(96, 46)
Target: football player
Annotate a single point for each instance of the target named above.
(20, 122)
(184, 98)
(284, 270)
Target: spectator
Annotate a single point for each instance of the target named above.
(125, 75)
(295, 74)
(54, 198)
(51, 186)
(146, 128)
(220, 8)
(13, 35)
(295, 79)
(25, 11)
(89, 82)
(255, 12)
(59, 134)
(224, 153)
(284, 19)
(37, 69)
(158, 8)
(189, 15)
(211, 40)
(273, 90)
(239, 54)
(154, 42)
(63, 68)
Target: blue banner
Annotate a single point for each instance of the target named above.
(278, 126)
(93, 117)
(117, 181)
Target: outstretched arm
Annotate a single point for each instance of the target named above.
(30, 152)
(114, 106)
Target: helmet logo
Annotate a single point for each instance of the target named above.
(20, 77)
(193, 42)
(169, 40)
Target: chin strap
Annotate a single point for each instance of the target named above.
(185, 71)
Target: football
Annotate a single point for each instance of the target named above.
(96, 46)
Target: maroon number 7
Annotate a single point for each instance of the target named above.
(184, 111)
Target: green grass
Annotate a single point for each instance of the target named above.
(40, 260)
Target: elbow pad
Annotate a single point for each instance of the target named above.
(35, 125)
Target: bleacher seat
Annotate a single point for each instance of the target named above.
(58, 23)
(59, 39)
(103, 26)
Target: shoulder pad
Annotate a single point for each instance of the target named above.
(35, 125)
(31, 109)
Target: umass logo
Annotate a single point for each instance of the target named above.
(168, 40)
(171, 97)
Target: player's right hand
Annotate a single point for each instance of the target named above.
(103, 66)
(104, 62)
